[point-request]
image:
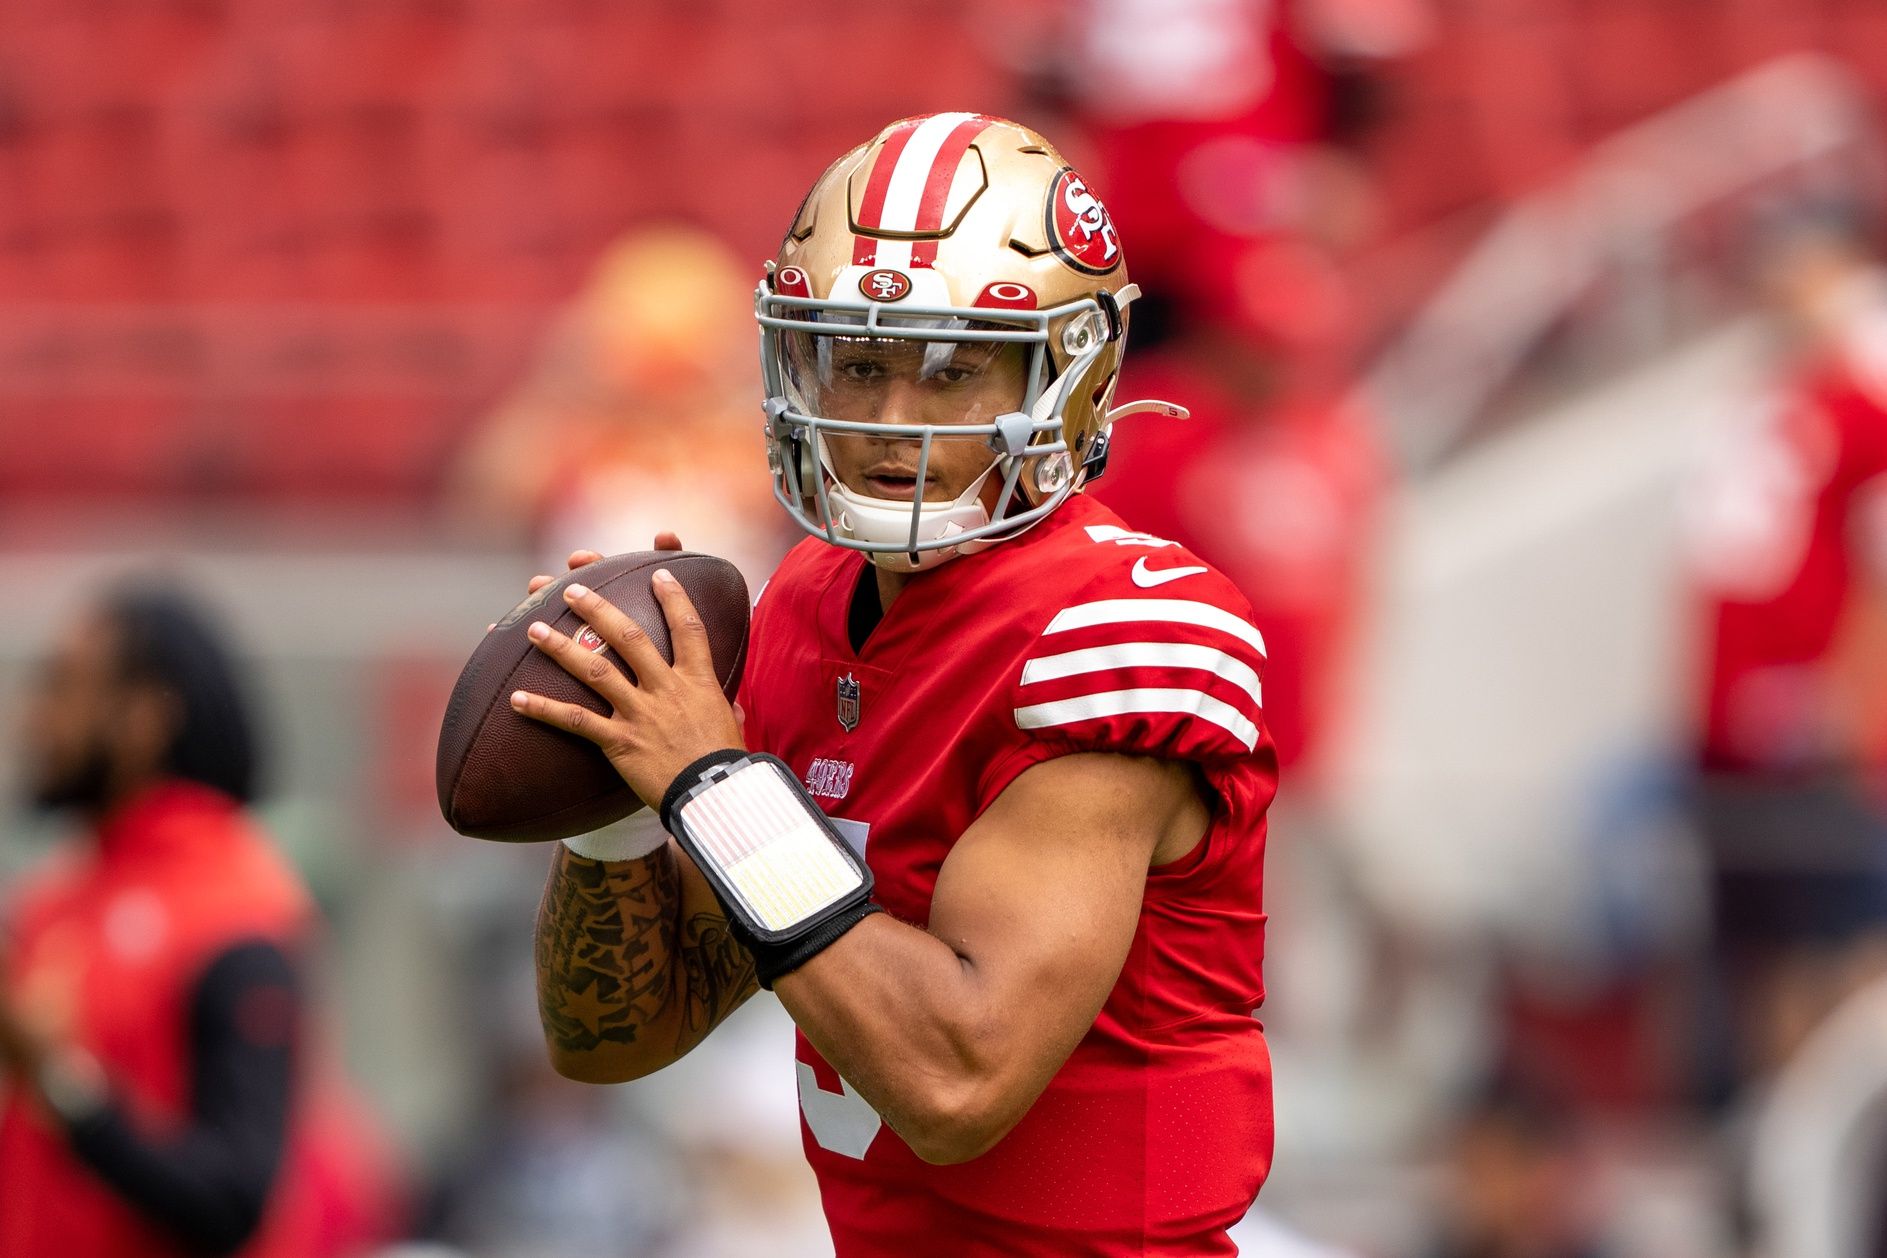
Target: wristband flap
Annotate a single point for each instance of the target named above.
(773, 858)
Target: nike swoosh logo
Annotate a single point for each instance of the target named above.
(1146, 578)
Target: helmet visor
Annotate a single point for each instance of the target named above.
(895, 380)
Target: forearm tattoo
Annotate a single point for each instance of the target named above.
(604, 968)
(606, 956)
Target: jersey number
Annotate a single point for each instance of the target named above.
(842, 1122)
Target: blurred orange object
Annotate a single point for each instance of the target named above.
(641, 415)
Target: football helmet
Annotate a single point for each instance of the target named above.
(958, 259)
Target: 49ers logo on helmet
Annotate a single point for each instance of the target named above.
(885, 285)
(1080, 227)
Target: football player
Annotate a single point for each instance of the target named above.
(998, 842)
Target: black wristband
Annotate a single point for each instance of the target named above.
(786, 879)
(776, 961)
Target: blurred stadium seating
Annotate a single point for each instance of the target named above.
(213, 207)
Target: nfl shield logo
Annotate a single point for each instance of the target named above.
(848, 702)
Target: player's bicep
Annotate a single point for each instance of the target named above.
(1041, 897)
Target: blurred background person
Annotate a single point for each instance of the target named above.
(1518, 1185)
(1789, 557)
(159, 1094)
(555, 1174)
(1218, 125)
(1228, 133)
(638, 416)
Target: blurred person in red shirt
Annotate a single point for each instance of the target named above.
(1277, 477)
(154, 1096)
(1789, 547)
(1218, 123)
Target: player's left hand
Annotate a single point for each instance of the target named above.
(658, 724)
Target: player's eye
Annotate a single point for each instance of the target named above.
(955, 373)
(861, 371)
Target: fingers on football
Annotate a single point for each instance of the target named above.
(685, 630)
(592, 668)
(666, 540)
(582, 559)
(629, 639)
(570, 717)
(538, 582)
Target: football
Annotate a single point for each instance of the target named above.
(506, 777)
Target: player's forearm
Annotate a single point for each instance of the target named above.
(914, 1026)
(609, 993)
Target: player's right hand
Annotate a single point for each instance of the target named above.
(663, 541)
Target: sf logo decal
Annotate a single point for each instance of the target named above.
(885, 285)
(1080, 227)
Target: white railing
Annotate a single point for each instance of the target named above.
(1612, 245)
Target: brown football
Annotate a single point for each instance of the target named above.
(506, 777)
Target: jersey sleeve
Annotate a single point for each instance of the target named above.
(1173, 671)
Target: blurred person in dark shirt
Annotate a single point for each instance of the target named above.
(153, 1096)
(1789, 545)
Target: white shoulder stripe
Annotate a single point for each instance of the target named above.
(1174, 611)
(1121, 702)
(1105, 659)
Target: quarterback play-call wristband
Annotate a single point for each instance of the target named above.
(788, 882)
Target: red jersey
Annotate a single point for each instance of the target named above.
(112, 941)
(1079, 636)
(1784, 532)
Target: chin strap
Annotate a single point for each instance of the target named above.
(1172, 410)
(865, 518)
(1094, 463)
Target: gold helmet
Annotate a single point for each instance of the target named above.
(948, 238)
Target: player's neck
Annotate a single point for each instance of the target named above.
(890, 585)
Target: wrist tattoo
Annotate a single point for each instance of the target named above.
(720, 974)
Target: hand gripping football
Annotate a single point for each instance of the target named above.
(506, 777)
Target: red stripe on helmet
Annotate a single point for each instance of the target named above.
(943, 173)
(871, 210)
